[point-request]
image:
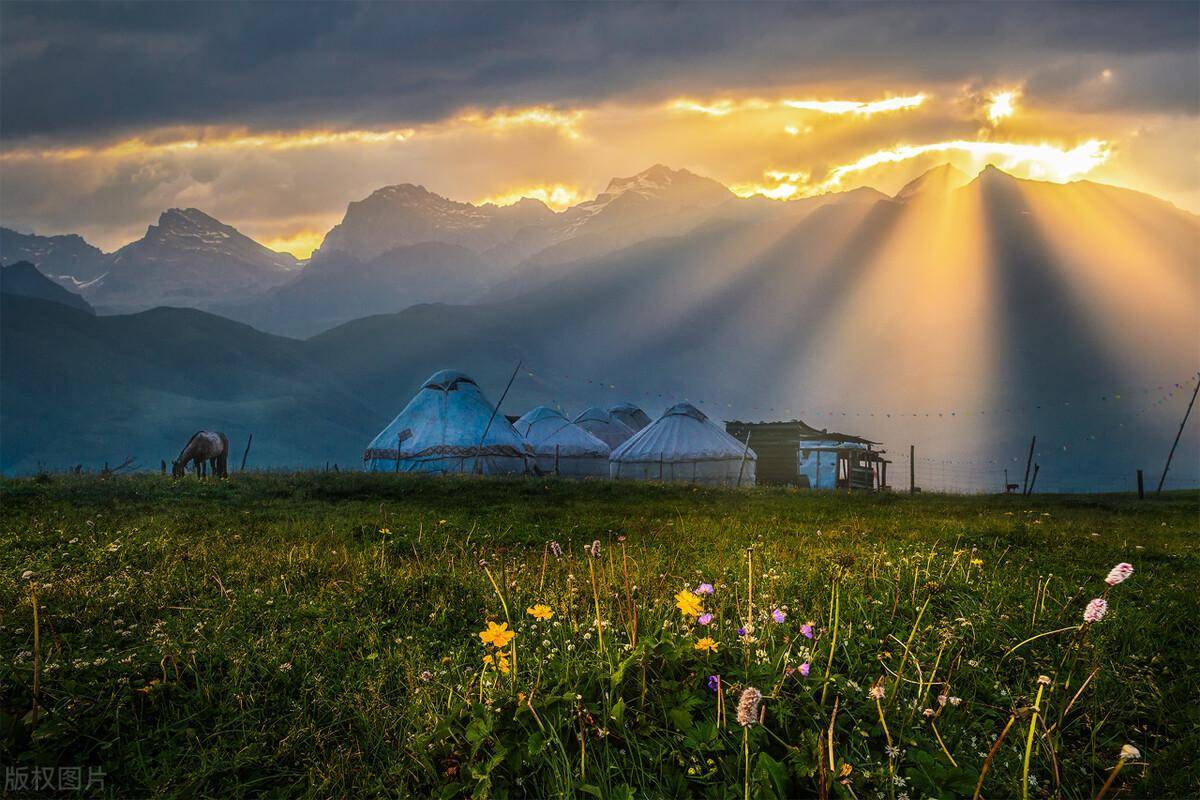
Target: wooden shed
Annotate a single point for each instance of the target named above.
(796, 454)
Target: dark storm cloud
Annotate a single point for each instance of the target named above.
(95, 69)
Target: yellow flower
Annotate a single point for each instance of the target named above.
(688, 604)
(500, 661)
(707, 645)
(497, 635)
(539, 611)
(977, 562)
(385, 531)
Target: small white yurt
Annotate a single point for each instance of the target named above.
(684, 445)
(560, 447)
(604, 426)
(631, 415)
(449, 426)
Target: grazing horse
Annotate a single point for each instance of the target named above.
(205, 447)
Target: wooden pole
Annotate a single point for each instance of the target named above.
(1033, 480)
(399, 441)
(556, 460)
(1141, 487)
(1179, 433)
(745, 452)
(488, 427)
(1028, 463)
(912, 469)
(246, 453)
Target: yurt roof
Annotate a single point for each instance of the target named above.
(682, 433)
(447, 417)
(628, 411)
(546, 429)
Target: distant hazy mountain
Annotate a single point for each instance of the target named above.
(397, 216)
(68, 256)
(331, 291)
(24, 280)
(189, 259)
(79, 389)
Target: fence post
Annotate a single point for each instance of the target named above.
(912, 469)
(1141, 487)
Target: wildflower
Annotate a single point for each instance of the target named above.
(426, 675)
(1119, 574)
(807, 630)
(500, 661)
(539, 611)
(742, 632)
(385, 531)
(714, 682)
(955, 701)
(1095, 610)
(707, 645)
(688, 604)
(705, 619)
(285, 667)
(893, 752)
(556, 550)
(497, 635)
(747, 711)
(594, 550)
(976, 562)
(704, 588)
(941, 698)
(1043, 680)
(929, 712)
(778, 615)
(1128, 751)
(876, 692)
(804, 668)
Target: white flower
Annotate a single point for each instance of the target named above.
(285, 667)
(1129, 751)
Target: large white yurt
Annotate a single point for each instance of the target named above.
(560, 447)
(604, 426)
(446, 428)
(684, 445)
(631, 415)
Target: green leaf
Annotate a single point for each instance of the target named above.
(618, 712)
(682, 718)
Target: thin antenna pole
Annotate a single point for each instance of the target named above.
(745, 452)
(495, 410)
(1179, 433)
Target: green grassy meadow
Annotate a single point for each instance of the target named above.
(317, 635)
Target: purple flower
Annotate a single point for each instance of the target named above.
(1119, 574)
(714, 682)
(742, 632)
(778, 615)
(804, 669)
(704, 588)
(806, 629)
(705, 619)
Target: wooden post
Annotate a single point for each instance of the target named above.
(1028, 462)
(912, 469)
(246, 453)
(1006, 480)
(1141, 487)
(742, 464)
(488, 427)
(1033, 480)
(556, 460)
(399, 440)
(1177, 435)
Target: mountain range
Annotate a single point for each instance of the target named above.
(961, 314)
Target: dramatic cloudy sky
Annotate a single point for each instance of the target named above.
(274, 116)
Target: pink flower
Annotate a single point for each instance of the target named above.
(804, 669)
(806, 629)
(778, 615)
(704, 588)
(1119, 573)
(705, 619)
(1095, 610)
